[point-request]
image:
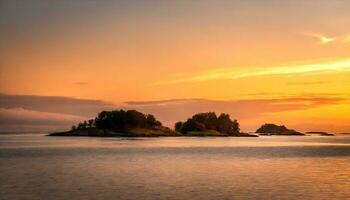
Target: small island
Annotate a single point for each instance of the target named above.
(120, 123)
(208, 124)
(273, 129)
(131, 123)
(320, 133)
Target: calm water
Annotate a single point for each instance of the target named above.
(33, 166)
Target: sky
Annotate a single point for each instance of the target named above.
(283, 62)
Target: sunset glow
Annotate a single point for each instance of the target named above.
(285, 62)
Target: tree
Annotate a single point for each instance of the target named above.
(90, 123)
(80, 126)
(224, 123)
(192, 125)
(272, 128)
(151, 121)
(120, 120)
(85, 124)
(178, 126)
(235, 127)
(135, 119)
(209, 121)
(116, 119)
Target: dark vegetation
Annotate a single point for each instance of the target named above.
(208, 124)
(120, 120)
(273, 129)
(132, 123)
(120, 123)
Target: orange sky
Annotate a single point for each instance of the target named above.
(121, 51)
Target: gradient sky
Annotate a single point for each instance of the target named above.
(285, 62)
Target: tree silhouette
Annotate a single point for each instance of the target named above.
(120, 119)
(178, 126)
(151, 121)
(91, 123)
(273, 128)
(209, 121)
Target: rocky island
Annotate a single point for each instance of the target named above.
(120, 123)
(208, 124)
(273, 129)
(131, 123)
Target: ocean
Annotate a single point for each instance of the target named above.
(35, 166)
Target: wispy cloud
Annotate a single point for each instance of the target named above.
(40, 113)
(243, 110)
(161, 102)
(237, 73)
(323, 39)
(80, 83)
(19, 119)
(54, 104)
(30, 112)
(326, 39)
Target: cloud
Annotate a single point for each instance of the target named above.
(323, 39)
(161, 102)
(19, 119)
(320, 37)
(170, 111)
(233, 73)
(54, 104)
(16, 115)
(39, 113)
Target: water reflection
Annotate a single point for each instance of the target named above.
(38, 167)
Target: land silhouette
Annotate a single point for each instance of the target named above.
(132, 123)
(273, 129)
(208, 124)
(120, 123)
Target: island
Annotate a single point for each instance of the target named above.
(273, 129)
(120, 123)
(132, 123)
(208, 124)
(320, 133)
